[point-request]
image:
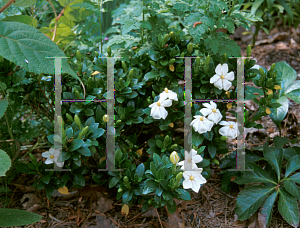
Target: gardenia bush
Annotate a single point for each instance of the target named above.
(152, 167)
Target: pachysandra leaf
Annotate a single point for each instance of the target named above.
(288, 208)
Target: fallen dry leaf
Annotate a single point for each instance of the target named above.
(64, 190)
(125, 210)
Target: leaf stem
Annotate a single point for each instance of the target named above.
(7, 5)
(55, 14)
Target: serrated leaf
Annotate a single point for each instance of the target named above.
(28, 47)
(22, 19)
(292, 165)
(274, 157)
(5, 163)
(266, 208)
(292, 188)
(288, 208)
(3, 107)
(250, 199)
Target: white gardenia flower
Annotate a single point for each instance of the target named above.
(222, 78)
(230, 129)
(158, 110)
(168, 94)
(191, 159)
(52, 156)
(201, 124)
(193, 180)
(212, 112)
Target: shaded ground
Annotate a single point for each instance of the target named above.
(211, 207)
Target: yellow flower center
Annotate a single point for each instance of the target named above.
(201, 118)
(214, 110)
(158, 103)
(231, 126)
(166, 90)
(222, 77)
(189, 160)
(51, 156)
(191, 178)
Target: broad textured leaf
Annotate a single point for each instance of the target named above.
(65, 2)
(24, 3)
(286, 74)
(274, 157)
(295, 178)
(290, 152)
(23, 19)
(295, 85)
(294, 95)
(292, 165)
(5, 163)
(258, 175)
(278, 114)
(250, 90)
(250, 199)
(3, 107)
(77, 13)
(280, 141)
(266, 208)
(292, 188)
(28, 47)
(288, 208)
(15, 217)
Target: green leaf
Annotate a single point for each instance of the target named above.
(197, 139)
(151, 184)
(287, 9)
(292, 165)
(280, 141)
(258, 175)
(277, 115)
(184, 194)
(79, 179)
(256, 5)
(250, 199)
(160, 174)
(295, 85)
(22, 19)
(127, 196)
(212, 150)
(28, 48)
(288, 208)
(77, 14)
(171, 207)
(295, 178)
(274, 157)
(286, 74)
(24, 3)
(266, 208)
(3, 107)
(113, 182)
(294, 95)
(140, 170)
(292, 188)
(150, 75)
(15, 217)
(45, 179)
(64, 2)
(76, 144)
(5, 163)
(84, 151)
(289, 152)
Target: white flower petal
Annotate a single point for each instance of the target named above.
(205, 111)
(218, 69)
(200, 179)
(156, 113)
(163, 96)
(224, 130)
(224, 123)
(187, 184)
(230, 76)
(231, 133)
(226, 84)
(49, 161)
(219, 84)
(197, 158)
(214, 79)
(224, 69)
(163, 112)
(195, 186)
(166, 103)
(46, 154)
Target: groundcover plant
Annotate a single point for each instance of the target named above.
(160, 66)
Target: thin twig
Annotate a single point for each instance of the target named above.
(159, 218)
(55, 26)
(7, 5)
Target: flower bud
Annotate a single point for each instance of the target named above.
(166, 38)
(171, 61)
(172, 35)
(105, 118)
(124, 66)
(83, 132)
(215, 161)
(77, 121)
(60, 121)
(69, 117)
(120, 190)
(109, 51)
(130, 75)
(207, 60)
(174, 158)
(178, 178)
(173, 147)
(197, 62)
(172, 68)
(190, 47)
(139, 152)
(96, 53)
(248, 51)
(149, 100)
(78, 55)
(166, 140)
(225, 57)
(153, 94)
(273, 67)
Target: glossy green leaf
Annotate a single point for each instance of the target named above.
(15, 217)
(79, 179)
(274, 157)
(280, 141)
(76, 144)
(286, 74)
(295, 85)
(292, 165)
(278, 114)
(22, 19)
(288, 208)
(171, 207)
(212, 150)
(28, 48)
(5, 163)
(140, 170)
(3, 106)
(114, 181)
(266, 208)
(258, 175)
(294, 95)
(250, 199)
(292, 188)
(295, 178)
